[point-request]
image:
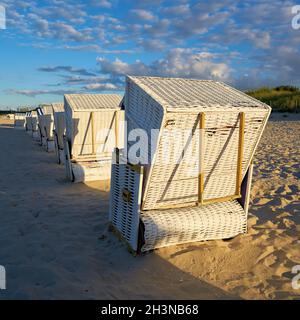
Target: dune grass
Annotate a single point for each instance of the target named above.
(282, 99)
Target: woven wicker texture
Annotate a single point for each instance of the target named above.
(172, 226)
(59, 125)
(215, 221)
(46, 109)
(124, 215)
(180, 93)
(91, 124)
(34, 121)
(85, 102)
(58, 107)
(59, 128)
(172, 177)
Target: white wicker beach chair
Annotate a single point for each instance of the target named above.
(92, 132)
(195, 186)
(33, 124)
(45, 123)
(59, 131)
(20, 120)
(28, 125)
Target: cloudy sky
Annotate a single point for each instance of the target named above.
(51, 47)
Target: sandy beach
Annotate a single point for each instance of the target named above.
(55, 242)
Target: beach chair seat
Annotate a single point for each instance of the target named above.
(145, 230)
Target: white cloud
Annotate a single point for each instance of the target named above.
(182, 9)
(41, 25)
(177, 63)
(143, 14)
(101, 86)
(64, 31)
(152, 44)
(102, 3)
(34, 93)
(96, 48)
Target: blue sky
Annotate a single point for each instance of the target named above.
(51, 47)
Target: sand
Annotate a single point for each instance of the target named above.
(55, 243)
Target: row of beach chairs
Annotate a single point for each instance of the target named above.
(186, 178)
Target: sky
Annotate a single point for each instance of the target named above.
(52, 47)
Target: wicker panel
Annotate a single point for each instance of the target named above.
(58, 107)
(124, 215)
(98, 129)
(47, 109)
(174, 175)
(34, 123)
(175, 226)
(41, 124)
(60, 128)
(49, 126)
(91, 122)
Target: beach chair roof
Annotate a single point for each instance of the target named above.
(46, 108)
(180, 94)
(87, 102)
(58, 107)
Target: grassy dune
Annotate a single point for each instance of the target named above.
(282, 99)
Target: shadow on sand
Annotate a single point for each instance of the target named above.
(55, 243)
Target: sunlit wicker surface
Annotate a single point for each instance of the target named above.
(173, 106)
(180, 93)
(58, 107)
(167, 227)
(174, 226)
(93, 101)
(46, 109)
(91, 123)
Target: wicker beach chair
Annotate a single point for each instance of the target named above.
(196, 184)
(45, 125)
(33, 125)
(59, 130)
(20, 120)
(92, 132)
(28, 125)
